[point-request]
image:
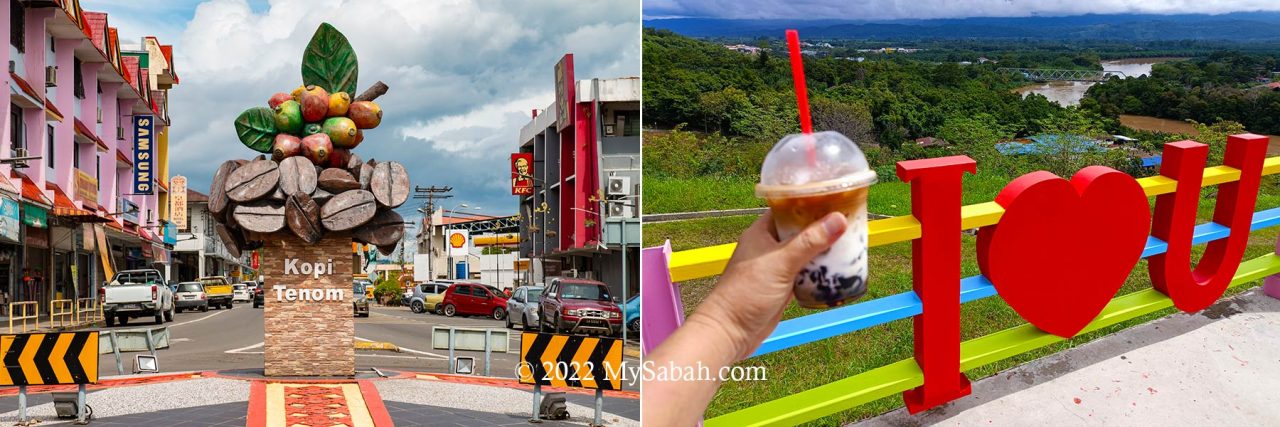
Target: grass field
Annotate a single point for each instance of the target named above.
(808, 366)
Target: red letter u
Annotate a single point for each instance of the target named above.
(1175, 220)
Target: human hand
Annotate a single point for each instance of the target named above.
(748, 300)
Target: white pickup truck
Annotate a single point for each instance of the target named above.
(136, 293)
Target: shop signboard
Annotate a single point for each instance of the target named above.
(130, 211)
(178, 201)
(564, 92)
(142, 155)
(9, 221)
(35, 216)
(86, 189)
(37, 238)
(170, 234)
(521, 174)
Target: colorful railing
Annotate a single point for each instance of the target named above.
(663, 313)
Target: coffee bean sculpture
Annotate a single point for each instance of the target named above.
(307, 179)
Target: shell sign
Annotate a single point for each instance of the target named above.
(459, 242)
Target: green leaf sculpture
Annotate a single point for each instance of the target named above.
(330, 62)
(257, 129)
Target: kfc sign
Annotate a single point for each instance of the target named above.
(521, 174)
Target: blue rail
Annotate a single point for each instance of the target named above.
(842, 320)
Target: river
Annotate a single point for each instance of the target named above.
(1070, 93)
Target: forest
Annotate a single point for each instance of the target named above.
(1220, 86)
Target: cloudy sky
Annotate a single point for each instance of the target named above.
(464, 75)
(927, 9)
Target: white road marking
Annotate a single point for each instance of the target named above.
(411, 350)
(197, 320)
(241, 350)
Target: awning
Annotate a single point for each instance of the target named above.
(31, 192)
(25, 96)
(84, 135)
(63, 207)
(51, 113)
(122, 159)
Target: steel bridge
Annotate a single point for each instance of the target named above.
(1047, 74)
(510, 224)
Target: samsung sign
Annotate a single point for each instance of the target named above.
(143, 158)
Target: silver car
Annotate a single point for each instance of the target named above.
(523, 304)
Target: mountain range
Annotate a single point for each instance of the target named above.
(1239, 26)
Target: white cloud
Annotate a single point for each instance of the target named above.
(464, 76)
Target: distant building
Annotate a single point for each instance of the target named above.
(582, 216)
(1049, 143)
(742, 48)
(1274, 86)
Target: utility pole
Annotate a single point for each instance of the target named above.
(430, 195)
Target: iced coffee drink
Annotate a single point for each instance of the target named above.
(804, 178)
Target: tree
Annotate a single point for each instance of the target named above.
(852, 120)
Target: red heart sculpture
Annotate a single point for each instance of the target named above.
(1063, 248)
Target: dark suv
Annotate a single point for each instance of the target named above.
(578, 306)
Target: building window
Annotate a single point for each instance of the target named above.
(97, 171)
(75, 157)
(18, 26)
(49, 144)
(79, 78)
(629, 121)
(17, 131)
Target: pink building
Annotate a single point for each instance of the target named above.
(83, 166)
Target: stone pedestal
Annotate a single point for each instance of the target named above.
(310, 327)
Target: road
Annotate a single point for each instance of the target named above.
(232, 339)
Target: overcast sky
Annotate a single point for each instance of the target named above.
(464, 75)
(927, 9)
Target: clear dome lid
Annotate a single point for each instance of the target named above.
(811, 164)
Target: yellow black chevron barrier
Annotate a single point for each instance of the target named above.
(48, 359)
(570, 361)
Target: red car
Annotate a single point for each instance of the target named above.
(476, 299)
(578, 305)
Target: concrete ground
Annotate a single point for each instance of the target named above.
(1220, 366)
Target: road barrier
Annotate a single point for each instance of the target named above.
(30, 310)
(88, 311)
(570, 361)
(49, 359)
(62, 313)
(130, 340)
(929, 379)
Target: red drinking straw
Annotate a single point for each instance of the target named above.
(802, 94)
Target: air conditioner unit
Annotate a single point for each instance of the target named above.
(619, 186)
(19, 153)
(99, 114)
(13, 67)
(119, 133)
(51, 76)
(620, 209)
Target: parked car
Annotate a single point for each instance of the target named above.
(426, 297)
(257, 295)
(360, 299)
(240, 292)
(578, 306)
(190, 296)
(136, 293)
(632, 313)
(474, 299)
(523, 304)
(218, 290)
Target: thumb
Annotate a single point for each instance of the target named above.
(815, 239)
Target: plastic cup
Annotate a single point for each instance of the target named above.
(804, 178)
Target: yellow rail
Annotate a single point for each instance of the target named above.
(88, 311)
(711, 260)
(30, 311)
(62, 313)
